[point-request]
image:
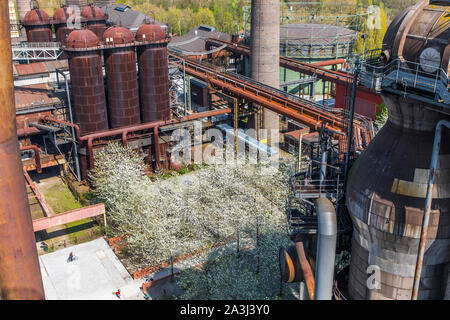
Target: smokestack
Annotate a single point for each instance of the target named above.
(265, 50)
(20, 274)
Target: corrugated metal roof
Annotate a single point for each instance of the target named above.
(34, 95)
(195, 40)
(315, 34)
(296, 134)
(39, 67)
(126, 16)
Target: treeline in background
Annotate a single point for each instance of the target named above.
(227, 16)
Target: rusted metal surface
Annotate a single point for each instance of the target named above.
(295, 65)
(306, 268)
(37, 25)
(46, 162)
(87, 160)
(87, 82)
(67, 217)
(37, 194)
(331, 63)
(153, 75)
(37, 157)
(299, 111)
(60, 18)
(95, 19)
(421, 26)
(150, 32)
(20, 275)
(123, 92)
(156, 148)
(34, 95)
(154, 83)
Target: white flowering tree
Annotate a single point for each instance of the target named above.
(174, 216)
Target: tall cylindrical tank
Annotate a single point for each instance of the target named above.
(37, 25)
(20, 274)
(60, 18)
(265, 50)
(153, 73)
(387, 185)
(95, 19)
(121, 75)
(87, 81)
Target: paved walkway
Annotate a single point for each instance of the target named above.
(95, 275)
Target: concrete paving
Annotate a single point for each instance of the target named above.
(95, 275)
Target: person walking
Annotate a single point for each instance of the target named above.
(71, 257)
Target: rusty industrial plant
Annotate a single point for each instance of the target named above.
(37, 25)
(361, 141)
(60, 18)
(95, 19)
(87, 81)
(121, 75)
(388, 183)
(153, 75)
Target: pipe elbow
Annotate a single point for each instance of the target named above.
(326, 215)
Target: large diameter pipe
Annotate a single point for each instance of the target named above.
(37, 156)
(326, 248)
(20, 274)
(330, 63)
(306, 269)
(427, 208)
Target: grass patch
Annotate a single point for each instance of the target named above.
(83, 230)
(60, 199)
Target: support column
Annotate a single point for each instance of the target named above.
(265, 51)
(20, 274)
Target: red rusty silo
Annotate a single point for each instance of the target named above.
(37, 25)
(95, 19)
(60, 18)
(153, 73)
(87, 81)
(121, 75)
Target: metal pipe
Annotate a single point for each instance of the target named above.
(20, 273)
(323, 166)
(69, 103)
(326, 248)
(427, 208)
(330, 63)
(306, 269)
(37, 194)
(350, 121)
(124, 131)
(157, 149)
(37, 157)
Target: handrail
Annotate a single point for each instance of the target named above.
(440, 75)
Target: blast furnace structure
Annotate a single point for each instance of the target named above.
(387, 185)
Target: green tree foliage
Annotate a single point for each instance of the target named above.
(372, 28)
(381, 116)
(183, 15)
